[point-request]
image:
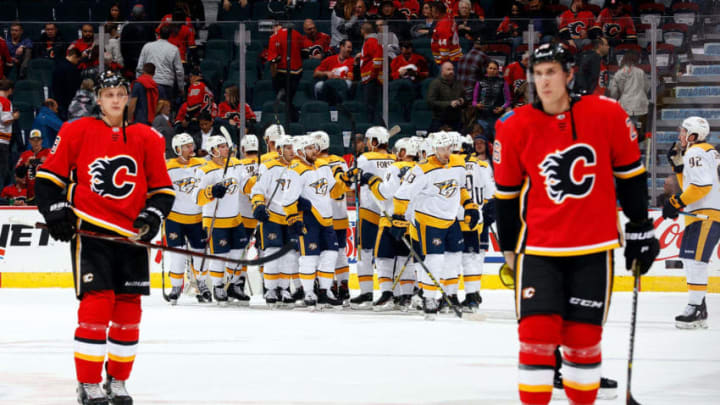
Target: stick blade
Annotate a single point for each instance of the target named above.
(631, 400)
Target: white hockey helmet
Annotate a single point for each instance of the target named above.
(302, 142)
(379, 133)
(213, 142)
(180, 140)
(457, 141)
(284, 140)
(273, 132)
(322, 139)
(411, 147)
(698, 126)
(442, 139)
(250, 143)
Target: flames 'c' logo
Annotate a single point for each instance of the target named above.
(113, 176)
(558, 169)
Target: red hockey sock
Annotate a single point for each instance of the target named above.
(90, 336)
(539, 336)
(582, 358)
(123, 336)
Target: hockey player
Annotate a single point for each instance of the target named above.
(249, 146)
(698, 177)
(107, 177)
(313, 227)
(272, 134)
(267, 198)
(340, 215)
(389, 253)
(555, 163)
(374, 162)
(435, 188)
(184, 224)
(219, 195)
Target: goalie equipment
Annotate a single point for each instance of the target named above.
(322, 139)
(250, 143)
(273, 133)
(213, 142)
(179, 140)
(698, 126)
(380, 134)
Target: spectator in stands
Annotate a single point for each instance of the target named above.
(206, 127)
(51, 44)
(20, 49)
(182, 35)
(371, 59)
(112, 45)
(48, 122)
(199, 100)
(516, 77)
(512, 27)
(340, 15)
(168, 65)
(7, 117)
(84, 102)
(575, 25)
(5, 59)
(542, 19)
(630, 86)
(446, 98)
(471, 68)
(352, 27)
(17, 193)
(409, 8)
(394, 19)
(144, 97)
(195, 11)
(234, 8)
(85, 45)
(468, 24)
(277, 56)
(114, 17)
(66, 80)
(393, 43)
(32, 158)
(491, 98)
(591, 76)
(128, 7)
(318, 43)
(616, 25)
(338, 66)
(162, 124)
(480, 144)
(409, 65)
(229, 110)
(424, 28)
(134, 36)
(444, 43)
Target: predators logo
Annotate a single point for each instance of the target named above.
(447, 188)
(186, 185)
(320, 186)
(283, 183)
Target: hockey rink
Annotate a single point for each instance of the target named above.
(204, 354)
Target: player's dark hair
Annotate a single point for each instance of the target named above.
(149, 68)
(6, 84)
(165, 32)
(439, 6)
(74, 52)
(406, 44)
(205, 116)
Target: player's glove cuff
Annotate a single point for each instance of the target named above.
(148, 223)
(641, 246)
(676, 201)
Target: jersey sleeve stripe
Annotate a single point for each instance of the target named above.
(507, 192)
(162, 190)
(628, 171)
(47, 175)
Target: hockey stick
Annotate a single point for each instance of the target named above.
(633, 319)
(402, 270)
(394, 131)
(166, 297)
(138, 243)
(353, 145)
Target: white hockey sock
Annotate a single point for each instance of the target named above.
(308, 266)
(217, 271)
(385, 272)
(434, 263)
(326, 268)
(231, 267)
(342, 270)
(288, 270)
(365, 271)
(271, 271)
(407, 279)
(472, 271)
(451, 271)
(697, 279)
(178, 263)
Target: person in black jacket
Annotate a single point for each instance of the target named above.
(66, 81)
(51, 44)
(590, 67)
(396, 21)
(491, 97)
(135, 34)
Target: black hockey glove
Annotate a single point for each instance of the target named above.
(472, 215)
(675, 157)
(488, 211)
(304, 205)
(640, 245)
(219, 190)
(346, 177)
(403, 171)
(148, 223)
(672, 206)
(61, 221)
(399, 226)
(260, 213)
(296, 227)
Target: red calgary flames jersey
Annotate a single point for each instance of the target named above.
(108, 179)
(277, 50)
(616, 27)
(445, 43)
(575, 23)
(343, 69)
(371, 60)
(562, 168)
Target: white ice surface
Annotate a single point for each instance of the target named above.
(192, 354)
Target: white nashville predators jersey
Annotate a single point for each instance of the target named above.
(434, 190)
(315, 184)
(250, 165)
(339, 204)
(376, 163)
(237, 182)
(476, 183)
(701, 171)
(272, 178)
(390, 184)
(185, 178)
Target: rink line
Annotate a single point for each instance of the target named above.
(489, 281)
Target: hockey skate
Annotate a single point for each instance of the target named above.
(326, 299)
(174, 295)
(221, 296)
(443, 306)
(91, 394)
(204, 292)
(299, 297)
(404, 304)
(344, 293)
(472, 302)
(237, 293)
(286, 300)
(607, 390)
(362, 301)
(694, 317)
(384, 303)
(271, 298)
(430, 308)
(116, 392)
(311, 300)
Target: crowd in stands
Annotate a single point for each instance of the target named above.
(456, 64)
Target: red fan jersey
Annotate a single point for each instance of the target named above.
(318, 46)
(563, 168)
(277, 50)
(184, 113)
(6, 120)
(416, 63)
(83, 46)
(228, 112)
(199, 96)
(574, 25)
(371, 60)
(108, 177)
(515, 77)
(4, 57)
(620, 27)
(32, 160)
(445, 43)
(342, 69)
(507, 27)
(14, 192)
(409, 8)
